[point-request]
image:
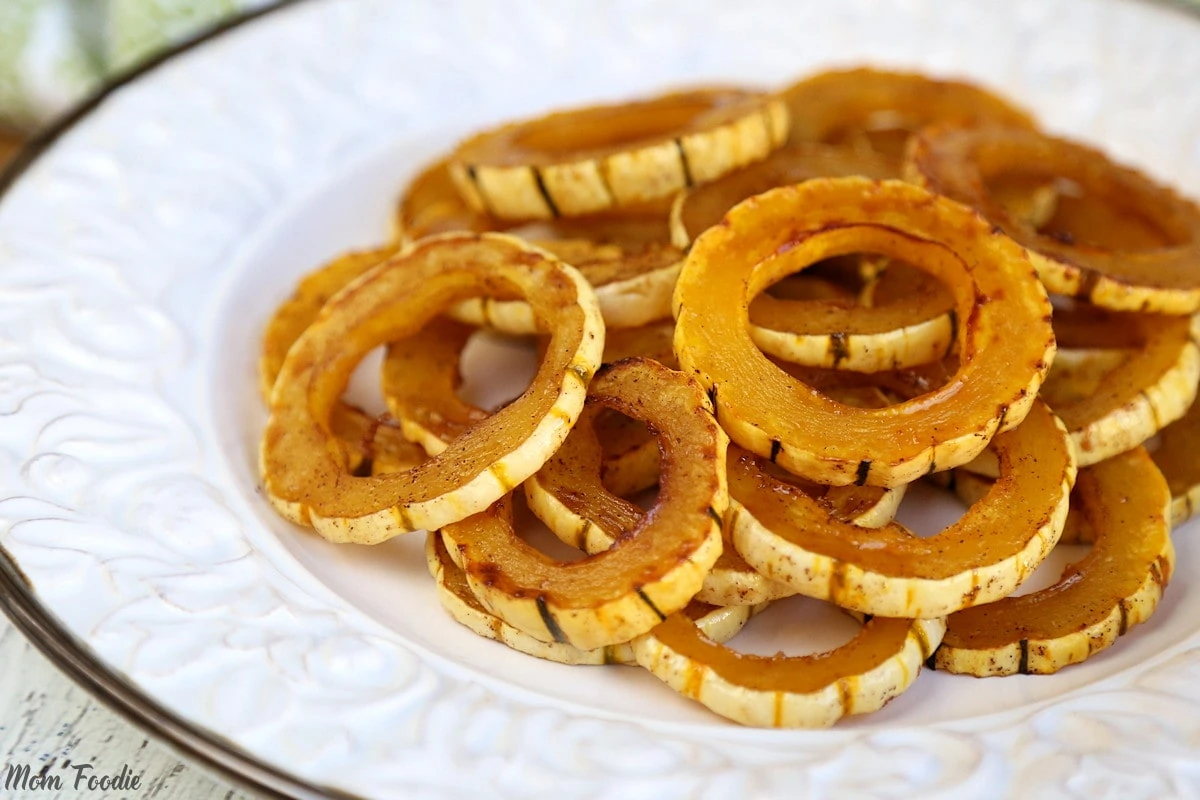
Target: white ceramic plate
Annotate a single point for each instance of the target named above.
(144, 249)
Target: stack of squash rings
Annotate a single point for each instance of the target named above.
(780, 309)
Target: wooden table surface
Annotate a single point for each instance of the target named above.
(47, 722)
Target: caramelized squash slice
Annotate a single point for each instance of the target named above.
(304, 466)
(989, 552)
(1005, 342)
(647, 575)
(820, 331)
(568, 495)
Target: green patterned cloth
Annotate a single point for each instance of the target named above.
(54, 52)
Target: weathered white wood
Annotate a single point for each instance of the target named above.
(48, 722)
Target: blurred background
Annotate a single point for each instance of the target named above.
(55, 52)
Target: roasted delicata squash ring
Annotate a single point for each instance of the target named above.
(370, 442)
(1123, 502)
(649, 574)
(1158, 277)
(304, 466)
(715, 622)
(1004, 339)
(787, 536)
(431, 205)
(586, 160)
(875, 111)
(820, 331)
(791, 692)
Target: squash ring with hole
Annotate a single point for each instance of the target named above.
(304, 466)
(786, 535)
(566, 494)
(824, 332)
(650, 573)
(569, 496)
(1124, 504)
(791, 692)
(1005, 341)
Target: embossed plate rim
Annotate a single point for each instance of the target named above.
(61, 647)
